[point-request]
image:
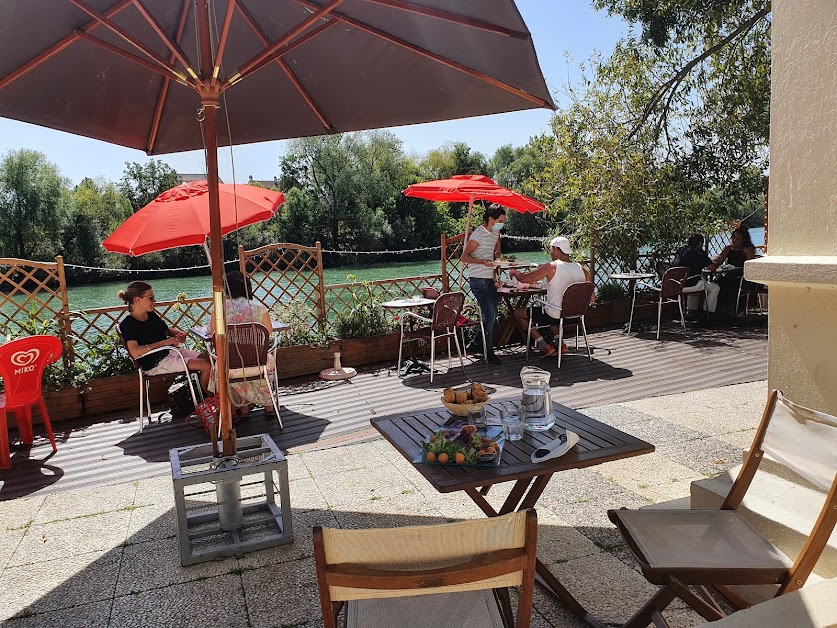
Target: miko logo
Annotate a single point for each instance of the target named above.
(25, 361)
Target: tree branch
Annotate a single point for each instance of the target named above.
(667, 89)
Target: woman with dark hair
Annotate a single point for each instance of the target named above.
(143, 331)
(481, 249)
(739, 250)
(241, 307)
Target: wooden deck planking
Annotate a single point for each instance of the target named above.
(323, 414)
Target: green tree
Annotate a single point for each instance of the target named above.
(98, 208)
(33, 204)
(142, 183)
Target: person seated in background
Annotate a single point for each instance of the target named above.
(241, 307)
(694, 257)
(143, 331)
(739, 250)
(559, 273)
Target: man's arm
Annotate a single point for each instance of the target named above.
(544, 270)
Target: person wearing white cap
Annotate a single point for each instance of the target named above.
(559, 273)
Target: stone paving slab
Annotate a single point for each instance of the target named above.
(108, 556)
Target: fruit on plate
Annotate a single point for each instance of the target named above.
(462, 446)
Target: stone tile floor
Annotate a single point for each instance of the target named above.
(108, 556)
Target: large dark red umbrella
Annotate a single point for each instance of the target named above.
(180, 217)
(153, 74)
(467, 188)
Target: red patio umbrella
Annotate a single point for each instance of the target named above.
(180, 217)
(153, 75)
(466, 188)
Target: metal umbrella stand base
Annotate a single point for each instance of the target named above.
(234, 506)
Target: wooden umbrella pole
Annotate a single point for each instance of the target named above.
(210, 104)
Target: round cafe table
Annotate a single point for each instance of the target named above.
(631, 278)
(414, 365)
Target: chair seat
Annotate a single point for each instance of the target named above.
(247, 372)
(440, 610)
(690, 544)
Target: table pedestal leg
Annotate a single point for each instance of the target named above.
(544, 576)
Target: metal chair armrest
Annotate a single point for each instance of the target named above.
(424, 319)
(648, 285)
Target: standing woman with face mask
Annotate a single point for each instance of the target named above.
(481, 249)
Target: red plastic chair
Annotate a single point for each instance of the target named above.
(22, 364)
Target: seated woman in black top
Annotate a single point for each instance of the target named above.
(144, 331)
(736, 253)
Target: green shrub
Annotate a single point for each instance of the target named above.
(612, 291)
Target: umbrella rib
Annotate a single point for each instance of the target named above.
(451, 17)
(132, 57)
(291, 76)
(164, 90)
(174, 47)
(58, 47)
(433, 56)
(222, 40)
(127, 37)
(265, 56)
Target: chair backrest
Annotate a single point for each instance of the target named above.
(421, 560)
(22, 364)
(804, 441)
(429, 292)
(248, 345)
(576, 299)
(125, 345)
(447, 309)
(673, 281)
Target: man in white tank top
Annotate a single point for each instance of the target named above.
(559, 273)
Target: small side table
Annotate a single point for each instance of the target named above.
(414, 365)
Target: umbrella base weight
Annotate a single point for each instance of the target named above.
(230, 507)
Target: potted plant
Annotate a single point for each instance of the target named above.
(365, 331)
(612, 306)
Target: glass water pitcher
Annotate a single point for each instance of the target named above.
(536, 401)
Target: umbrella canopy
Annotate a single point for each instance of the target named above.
(467, 188)
(125, 71)
(180, 217)
(156, 74)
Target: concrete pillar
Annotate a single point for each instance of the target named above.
(801, 268)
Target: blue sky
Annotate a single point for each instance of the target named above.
(557, 26)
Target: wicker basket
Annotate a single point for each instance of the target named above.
(461, 409)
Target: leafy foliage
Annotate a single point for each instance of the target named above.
(364, 318)
(295, 314)
(142, 183)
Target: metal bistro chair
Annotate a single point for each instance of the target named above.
(145, 379)
(679, 549)
(462, 323)
(447, 575)
(22, 364)
(574, 306)
(747, 289)
(670, 290)
(446, 311)
(248, 349)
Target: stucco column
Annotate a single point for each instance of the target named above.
(801, 268)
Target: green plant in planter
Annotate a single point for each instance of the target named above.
(365, 318)
(296, 314)
(612, 291)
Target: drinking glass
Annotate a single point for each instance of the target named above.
(513, 425)
(476, 414)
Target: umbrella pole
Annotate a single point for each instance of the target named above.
(210, 102)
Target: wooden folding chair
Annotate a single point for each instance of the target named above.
(458, 574)
(679, 549)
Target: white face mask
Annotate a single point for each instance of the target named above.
(498, 226)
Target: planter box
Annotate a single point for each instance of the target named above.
(61, 405)
(112, 394)
(304, 360)
(360, 351)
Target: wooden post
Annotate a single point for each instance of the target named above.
(64, 315)
(592, 262)
(321, 302)
(242, 264)
(445, 278)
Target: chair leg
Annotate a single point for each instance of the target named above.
(432, 354)
(24, 424)
(47, 423)
(484, 346)
(529, 335)
(448, 339)
(633, 304)
(658, 603)
(5, 451)
(141, 401)
(464, 348)
(682, 317)
(586, 340)
(458, 352)
(659, 315)
(560, 340)
(576, 337)
(400, 351)
(274, 396)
